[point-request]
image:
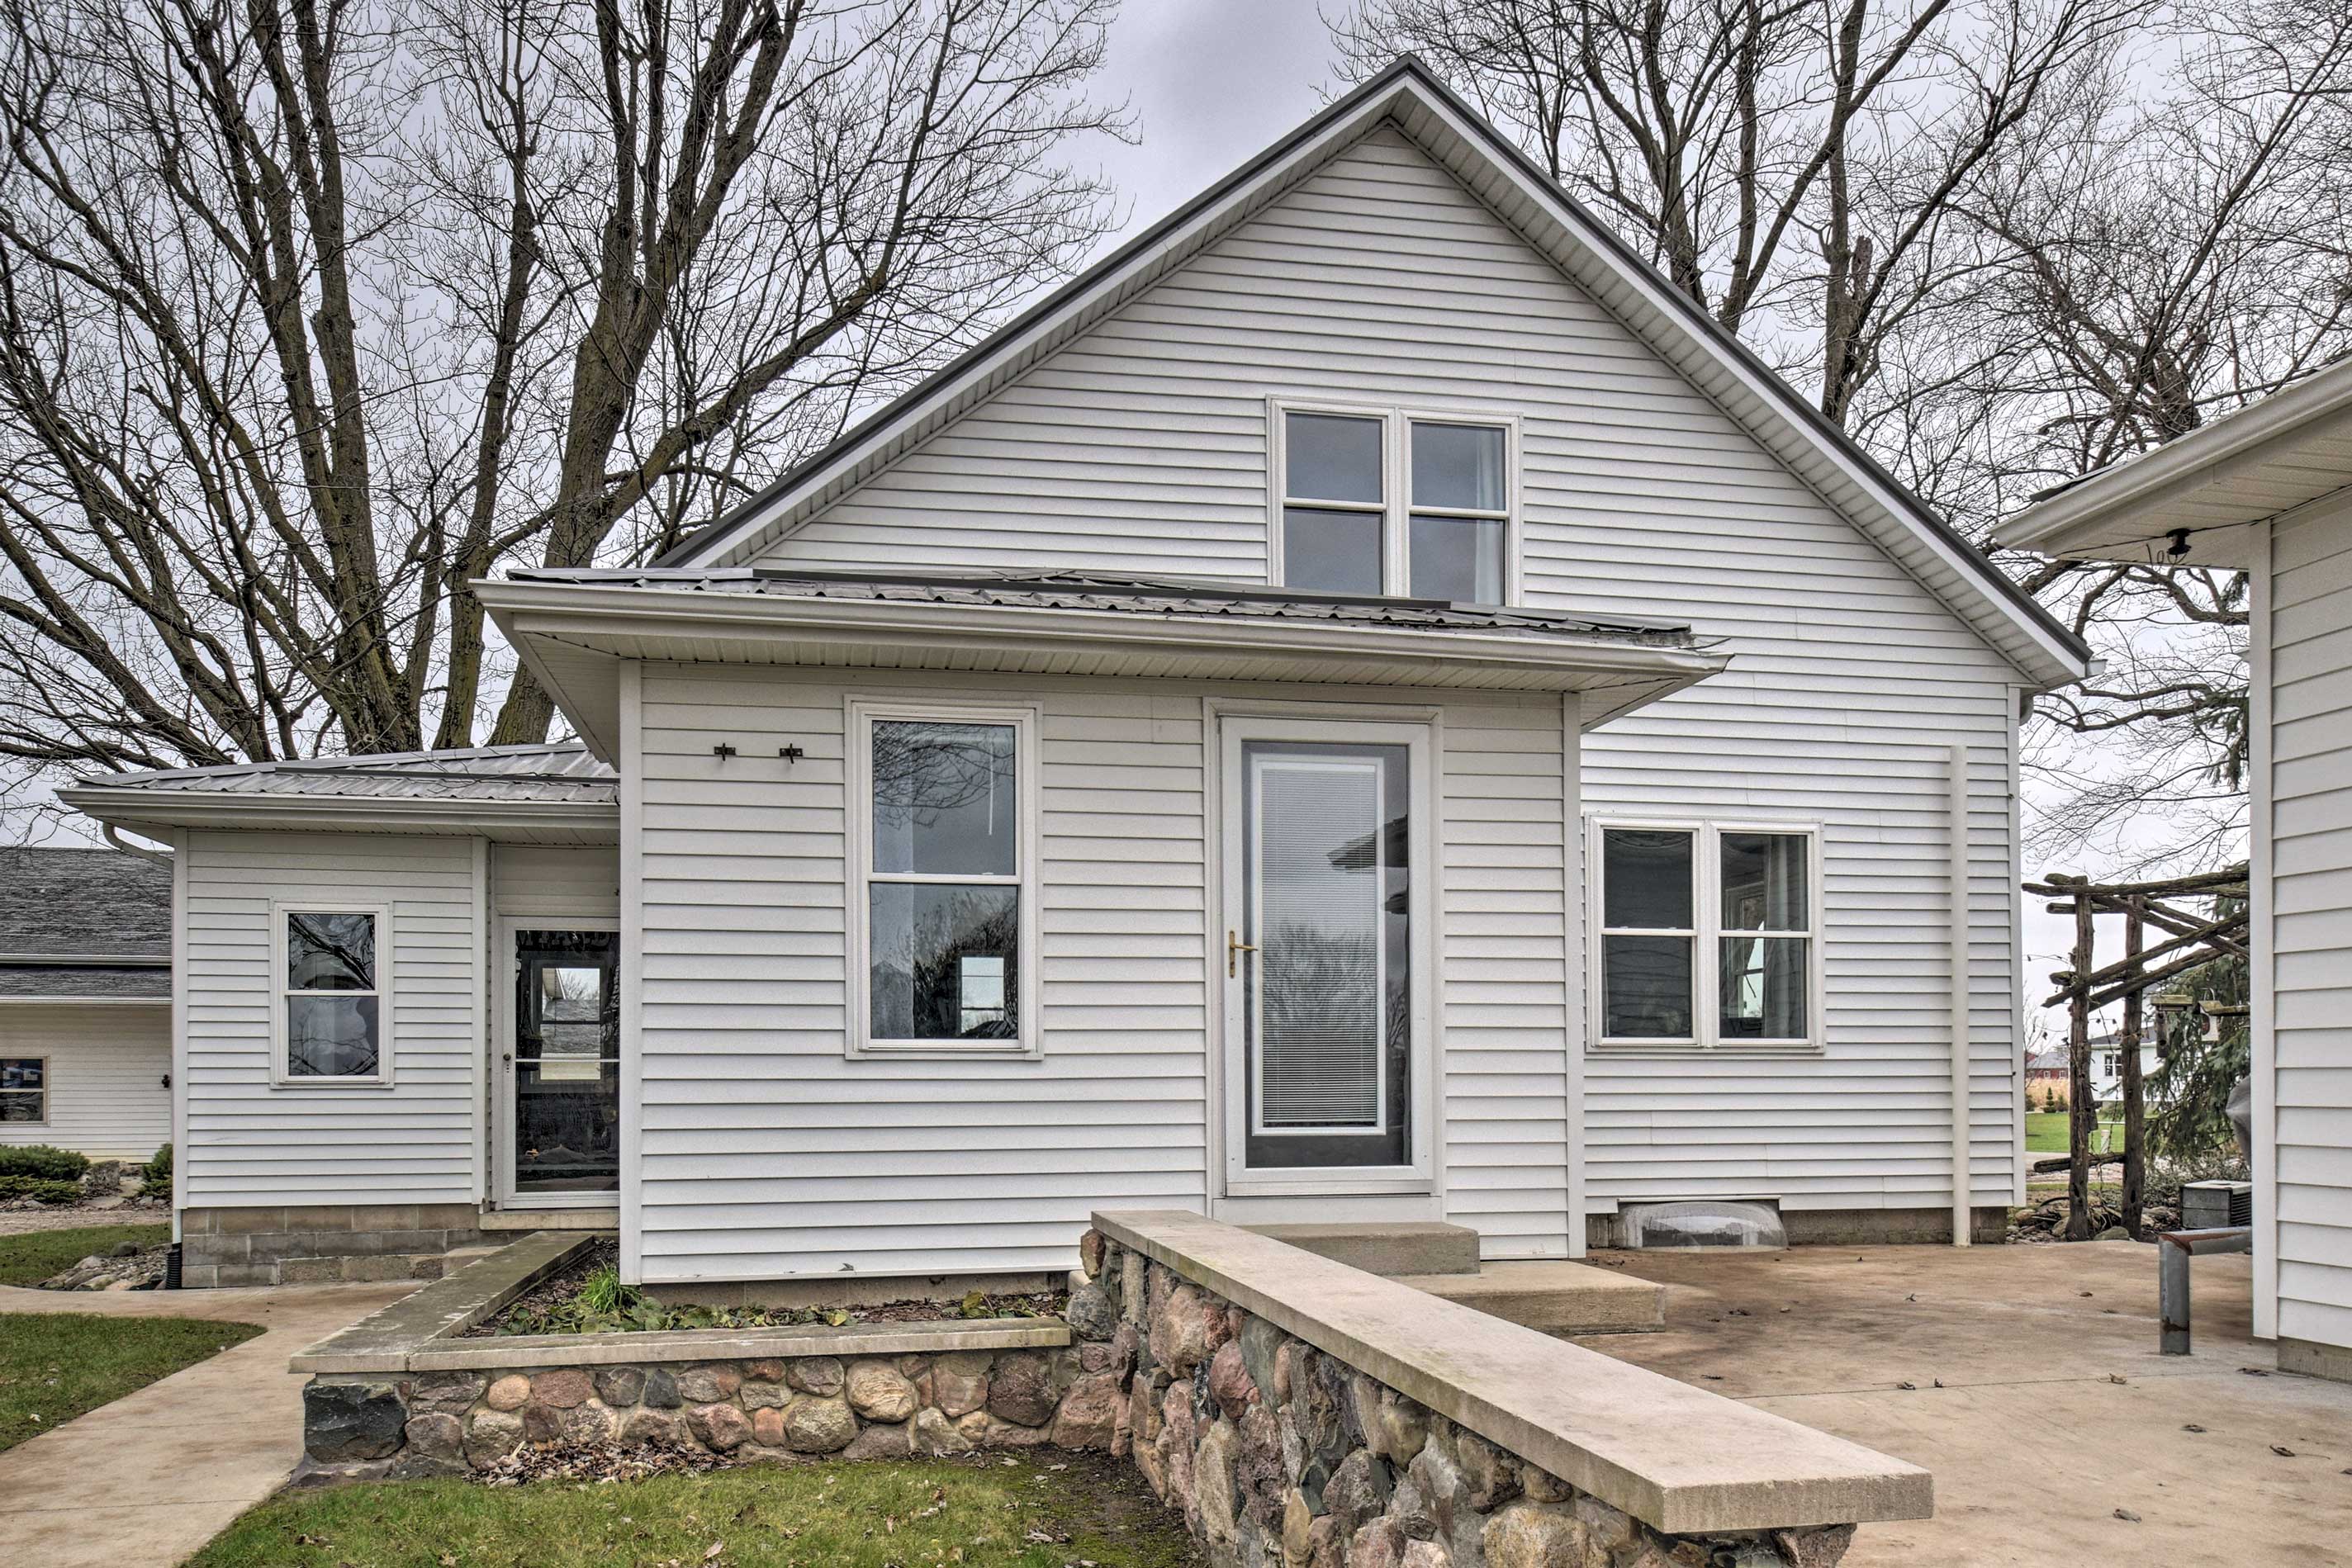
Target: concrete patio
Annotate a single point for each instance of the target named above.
(2027, 1379)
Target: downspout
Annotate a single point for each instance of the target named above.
(1957, 813)
(161, 857)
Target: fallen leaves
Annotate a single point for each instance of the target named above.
(2281, 1450)
(2127, 1516)
(2190, 1427)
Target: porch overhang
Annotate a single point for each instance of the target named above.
(576, 633)
(155, 813)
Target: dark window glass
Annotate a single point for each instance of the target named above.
(1763, 882)
(1458, 465)
(329, 952)
(330, 1036)
(1646, 879)
(1762, 988)
(944, 962)
(1458, 558)
(567, 1045)
(1334, 552)
(22, 1083)
(945, 799)
(1645, 985)
(1333, 457)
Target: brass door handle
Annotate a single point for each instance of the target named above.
(1235, 948)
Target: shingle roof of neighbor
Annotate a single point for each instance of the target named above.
(1186, 599)
(562, 771)
(83, 904)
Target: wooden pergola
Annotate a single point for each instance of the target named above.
(2193, 938)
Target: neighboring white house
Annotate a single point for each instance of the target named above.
(2048, 1069)
(2268, 488)
(85, 1001)
(1364, 706)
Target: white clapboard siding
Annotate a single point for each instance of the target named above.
(767, 1153)
(249, 1142)
(2311, 897)
(1142, 449)
(106, 1063)
(533, 879)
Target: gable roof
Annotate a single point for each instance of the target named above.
(1525, 199)
(78, 924)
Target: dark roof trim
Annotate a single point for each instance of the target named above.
(1686, 310)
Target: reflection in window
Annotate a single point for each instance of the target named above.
(1756, 916)
(1333, 511)
(943, 897)
(23, 1090)
(330, 996)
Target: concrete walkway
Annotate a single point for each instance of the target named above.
(2027, 1380)
(153, 1475)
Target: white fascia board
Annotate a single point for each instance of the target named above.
(131, 808)
(2066, 520)
(85, 1002)
(577, 614)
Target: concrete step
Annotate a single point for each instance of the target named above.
(1556, 1296)
(1379, 1247)
(501, 1220)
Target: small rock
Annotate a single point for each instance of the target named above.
(1229, 1380)
(718, 1426)
(959, 1383)
(1021, 1389)
(587, 1425)
(1532, 1535)
(879, 1392)
(661, 1389)
(707, 1385)
(882, 1440)
(490, 1436)
(508, 1392)
(564, 1389)
(818, 1375)
(768, 1425)
(620, 1386)
(937, 1436)
(437, 1435)
(653, 1429)
(1087, 1414)
(1090, 1252)
(1091, 1313)
(343, 1421)
(815, 1425)
(2127, 1515)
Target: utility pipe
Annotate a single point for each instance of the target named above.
(1956, 916)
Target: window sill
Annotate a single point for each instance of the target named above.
(1323, 1182)
(335, 1083)
(943, 1050)
(1694, 1048)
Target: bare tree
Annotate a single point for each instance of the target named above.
(1793, 167)
(310, 314)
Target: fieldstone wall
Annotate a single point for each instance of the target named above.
(1278, 1453)
(957, 1402)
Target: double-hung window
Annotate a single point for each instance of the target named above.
(330, 996)
(1388, 503)
(1707, 935)
(943, 897)
(24, 1091)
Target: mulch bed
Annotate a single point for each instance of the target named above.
(551, 1293)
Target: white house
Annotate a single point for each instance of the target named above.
(85, 1001)
(2265, 489)
(1363, 705)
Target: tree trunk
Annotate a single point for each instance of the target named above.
(2081, 1109)
(2135, 1107)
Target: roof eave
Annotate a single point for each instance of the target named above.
(151, 806)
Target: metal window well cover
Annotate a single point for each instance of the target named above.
(1710, 1222)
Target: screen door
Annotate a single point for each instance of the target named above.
(1324, 953)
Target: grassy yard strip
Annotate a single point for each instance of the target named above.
(1025, 1513)
(56, 1365)
(32, 1257)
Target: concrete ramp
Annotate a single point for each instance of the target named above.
(1391, 1249)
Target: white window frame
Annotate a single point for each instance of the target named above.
(46, 1091)
(1395, 507)
(1707, 934)
(280, 911)
(860, 712)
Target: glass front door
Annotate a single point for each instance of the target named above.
(1324, 954)
(566, 1065)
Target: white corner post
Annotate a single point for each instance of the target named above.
(1957, 915)
(1572, 895)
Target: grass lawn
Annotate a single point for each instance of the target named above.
(2046, 1133)
(1025, 1513)
(55, 1366)
(31, 1259)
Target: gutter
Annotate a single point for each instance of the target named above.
(339, 813)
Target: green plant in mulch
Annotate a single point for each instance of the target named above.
(39, 1189)
(603, 1304)
(155, 1175)
(43, 1162)
(56, 1365)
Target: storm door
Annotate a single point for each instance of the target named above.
(564, 1066)
(1324, 966)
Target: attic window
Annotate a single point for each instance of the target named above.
(1389, 502)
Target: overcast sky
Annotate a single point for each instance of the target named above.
(1212, 83)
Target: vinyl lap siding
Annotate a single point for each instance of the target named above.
(767, 1153)
(1141, 448)
(250, 1142)
(106, 1070)
(2311, 855)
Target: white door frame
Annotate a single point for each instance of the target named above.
(1417, 731)
(502, 1070)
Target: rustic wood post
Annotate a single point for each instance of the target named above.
(2081, 1109)
(2135, 1107)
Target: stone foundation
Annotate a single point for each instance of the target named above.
(320, 1243)
(1987, 1226)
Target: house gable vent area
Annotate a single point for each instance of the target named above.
(1687, 1225)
